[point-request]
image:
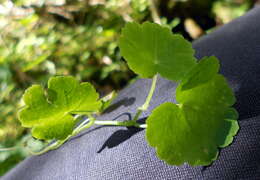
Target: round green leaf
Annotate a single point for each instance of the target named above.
(183, 134)
(203, 121)
(50, 113)
(150, 49)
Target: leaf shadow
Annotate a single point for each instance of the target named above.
(120, 136)
(123, 102)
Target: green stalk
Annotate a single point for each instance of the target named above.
(146, 104)
(82, 127)
(8, 149)
(120, 123)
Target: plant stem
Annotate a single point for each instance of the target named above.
(146, 104)
(46, 149)
(8, 149)
(84, 126)
(130, 123)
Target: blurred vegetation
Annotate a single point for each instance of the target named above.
(42, 38)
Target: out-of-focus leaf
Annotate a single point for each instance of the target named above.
(34, 63)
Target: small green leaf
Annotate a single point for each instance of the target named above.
(201, 73)
(107, 100)
(150, 49)
(49, 112)
(34, 63)
(203, 121)
(213, 93)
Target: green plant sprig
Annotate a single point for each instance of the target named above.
(191, 131)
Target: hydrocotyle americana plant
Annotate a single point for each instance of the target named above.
(191, 131)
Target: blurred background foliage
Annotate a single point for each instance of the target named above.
(42, 38)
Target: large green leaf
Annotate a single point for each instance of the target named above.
(50, 113)
(193, 130)
(150, 48)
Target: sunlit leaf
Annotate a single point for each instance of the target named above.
(150, 49)
(203, 121)
(49, 112)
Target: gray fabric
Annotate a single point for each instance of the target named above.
(122, 153)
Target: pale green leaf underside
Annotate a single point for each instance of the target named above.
(150, 49)
(107, 100)
(50, 113)
(203, 121)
